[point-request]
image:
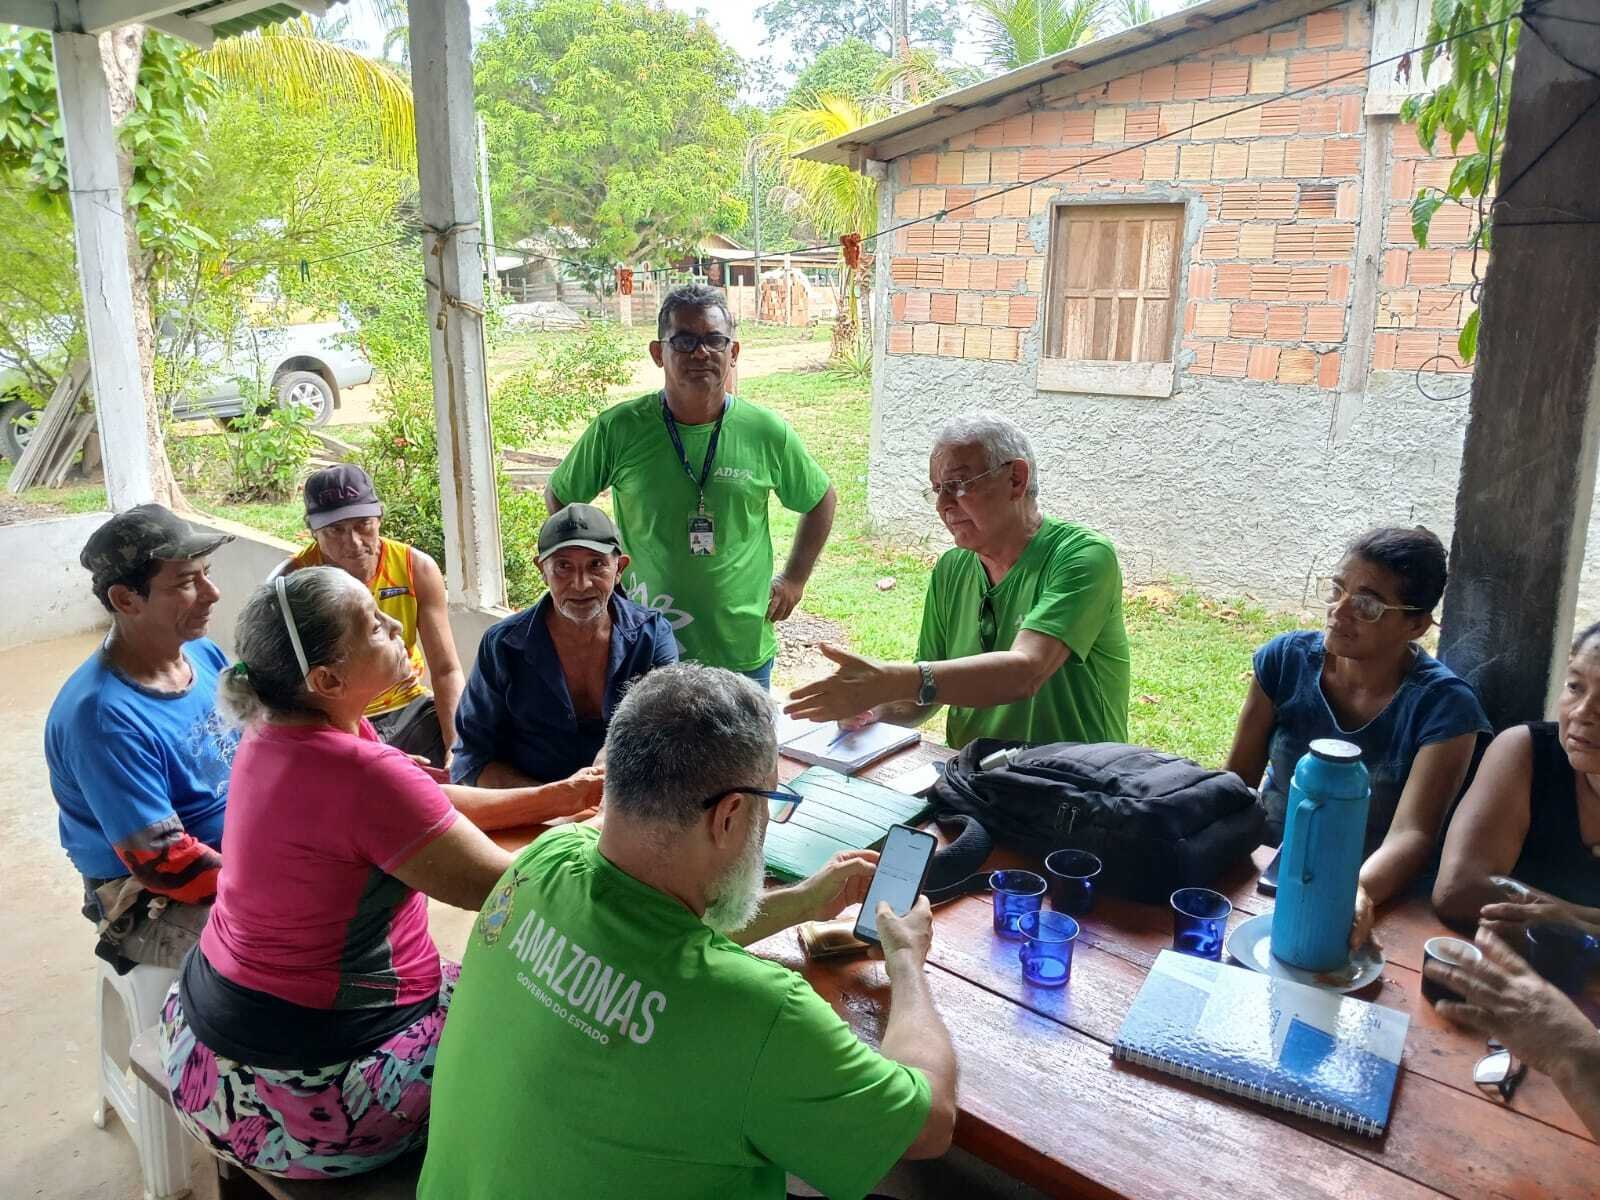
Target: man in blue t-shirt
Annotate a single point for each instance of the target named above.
(138, 757)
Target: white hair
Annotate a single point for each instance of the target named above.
(1001, 440)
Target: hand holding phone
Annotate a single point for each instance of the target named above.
(902, 867)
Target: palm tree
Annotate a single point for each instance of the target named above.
(1018, 32)
(924, 75)
(834, 199)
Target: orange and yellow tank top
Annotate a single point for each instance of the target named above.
(396, 596)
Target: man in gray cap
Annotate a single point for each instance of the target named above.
(345, 517)
(138, 758)
(548, 679)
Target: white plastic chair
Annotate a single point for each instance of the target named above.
(125, 1006)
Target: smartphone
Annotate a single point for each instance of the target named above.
(1267, 885)
(902, 867)
(1512, 890)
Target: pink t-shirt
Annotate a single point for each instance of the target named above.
(306, 910)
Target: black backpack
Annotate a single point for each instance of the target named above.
(1158, 822)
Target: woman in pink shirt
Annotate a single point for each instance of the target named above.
(300, 1036)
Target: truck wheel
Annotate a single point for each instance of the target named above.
(306, 390)
(18, 419)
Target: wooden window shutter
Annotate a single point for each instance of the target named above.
(1113, 283)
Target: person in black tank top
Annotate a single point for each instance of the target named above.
(1533, 812)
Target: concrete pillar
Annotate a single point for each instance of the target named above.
(441, 83)
(104, 277)
(1528, 465)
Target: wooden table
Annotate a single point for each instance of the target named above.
(1041, 1098)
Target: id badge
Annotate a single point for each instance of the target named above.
(702, 536)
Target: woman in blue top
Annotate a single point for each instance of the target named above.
(1365, 680)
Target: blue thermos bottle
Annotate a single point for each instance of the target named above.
(1324, 833)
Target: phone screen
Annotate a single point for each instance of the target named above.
(902, 865)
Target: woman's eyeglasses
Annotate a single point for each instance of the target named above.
(781, 801)
(954, 489)
(1366, 608)
(1498, 1071)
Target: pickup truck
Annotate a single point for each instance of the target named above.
(308, 365)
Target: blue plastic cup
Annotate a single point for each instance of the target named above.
(1072, 874)
(1046, 950)
(1015, 893)
(1563, 954)
(1200, 922)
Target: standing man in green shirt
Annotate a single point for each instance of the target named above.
(1022, 632)
(690, 468)
(610, 1036)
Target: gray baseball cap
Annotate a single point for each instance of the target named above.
(149, 532)
(579, 525)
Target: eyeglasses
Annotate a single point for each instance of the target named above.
(1366, 608)
(954, 489)
(688, 343)
(781, 801)
(988, 624)
(1499, 1071)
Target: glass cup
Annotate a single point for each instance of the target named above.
(1563, 954)
(1046, 950)
(1454, 952)
(1015, 893)
(1072, 874)
(1200, 922)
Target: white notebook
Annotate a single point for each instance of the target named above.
(823, 744)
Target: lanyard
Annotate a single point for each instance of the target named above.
(683, 457)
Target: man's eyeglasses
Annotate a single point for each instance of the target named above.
(1497, 1070)
(781, 801)
(1366, 608)
(954, 489)
(688, 343)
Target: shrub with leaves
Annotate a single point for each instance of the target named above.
(566, 384)
(268, 449)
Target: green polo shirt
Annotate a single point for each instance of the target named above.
(603, 1041)
(717, 603)
(1067, 584)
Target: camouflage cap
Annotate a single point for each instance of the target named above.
(134, 538)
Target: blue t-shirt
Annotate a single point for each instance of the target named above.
(1433, 704)
(124, 757)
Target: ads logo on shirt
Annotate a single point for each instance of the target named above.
(734, 474)
(597, 997)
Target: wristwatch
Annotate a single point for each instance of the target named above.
(929, 689)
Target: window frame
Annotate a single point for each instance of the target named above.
(1115, 377)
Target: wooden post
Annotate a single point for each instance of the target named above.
(104, 276)
(441, 82)
(788, 291)
(1528, 465)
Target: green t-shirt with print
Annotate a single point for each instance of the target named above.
(717, 603)
(603, 1041)
(1068, 585)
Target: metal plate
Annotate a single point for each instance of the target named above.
(1250, 945)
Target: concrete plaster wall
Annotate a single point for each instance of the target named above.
(46, 591)
(1240, 490)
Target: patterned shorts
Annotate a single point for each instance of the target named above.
(307, 1124)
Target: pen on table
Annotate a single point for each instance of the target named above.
(839, 737)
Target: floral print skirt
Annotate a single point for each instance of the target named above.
(307, 1124)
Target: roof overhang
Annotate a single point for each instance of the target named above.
(1055, 79)
(197, 21)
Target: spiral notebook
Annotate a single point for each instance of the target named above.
(1307, 1051)
(838, 812)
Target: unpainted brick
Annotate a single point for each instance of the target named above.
(1328, 369)
(1228, 360)
(1297, 366)
(1268, 75)
(1248, 46)
(1383, 352)
(951, 338)
(1428, 268)
(906, 203)
(1006, 344)
(975, 167)
(1194, 160)
(1108, 123)
(944, 307)
(1220, 242)
(996, 310)
(1208, 319)
(949, 168)
(1202, 282)
(1285, 322)
(1230, 161)
(1019, 129)
(1004, 166)
(1014, 204)
(1077, 128)
(899, 339)
(989, 136)
(1307, 70)
(1174, 117)
(983, 275)
(1161, 162)
(1325, 323)
(1262, 364)
(1256, 239)
(925, 339)
(1348, 205)
(1024, 311)
(931, 200)
(1281, 118)
(1318, 200)
(1334, 241)
(1266, 160)
(978, 343)
(1156, 83)
(957, 273)
(1034, 279)
(1270, 283)
(1122, 90)
(1341, 156)
(1439, 310)
(1325, 29)
(1248, 320)
(1286, 38)
(924, 168)
(1302, 157)
(969, 308)
(1010, 273)
(1230, 79)
(903, 270)
(1232, 281)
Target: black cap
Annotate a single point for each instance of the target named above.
(340, 494)
(579, 525)
(131, 540)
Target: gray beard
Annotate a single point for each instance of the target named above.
(579, 616)
(739, 890)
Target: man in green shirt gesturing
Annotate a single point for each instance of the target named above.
(610, 1036)
(690, 469)
(1022, 632)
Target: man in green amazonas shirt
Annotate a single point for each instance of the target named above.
(611, 1037)
(1022, 632)
(690, 469)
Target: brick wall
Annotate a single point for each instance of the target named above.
(1268, 279)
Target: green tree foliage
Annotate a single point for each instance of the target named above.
(1018, 32)
(1474, 99)
(850, 68)
(610, 127)
(813, 25)
(40, 311)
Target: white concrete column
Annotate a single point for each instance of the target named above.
(441, 83)
(101, 235)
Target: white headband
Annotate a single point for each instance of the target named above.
(288, 621)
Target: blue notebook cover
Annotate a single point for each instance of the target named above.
(1285, 1044)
